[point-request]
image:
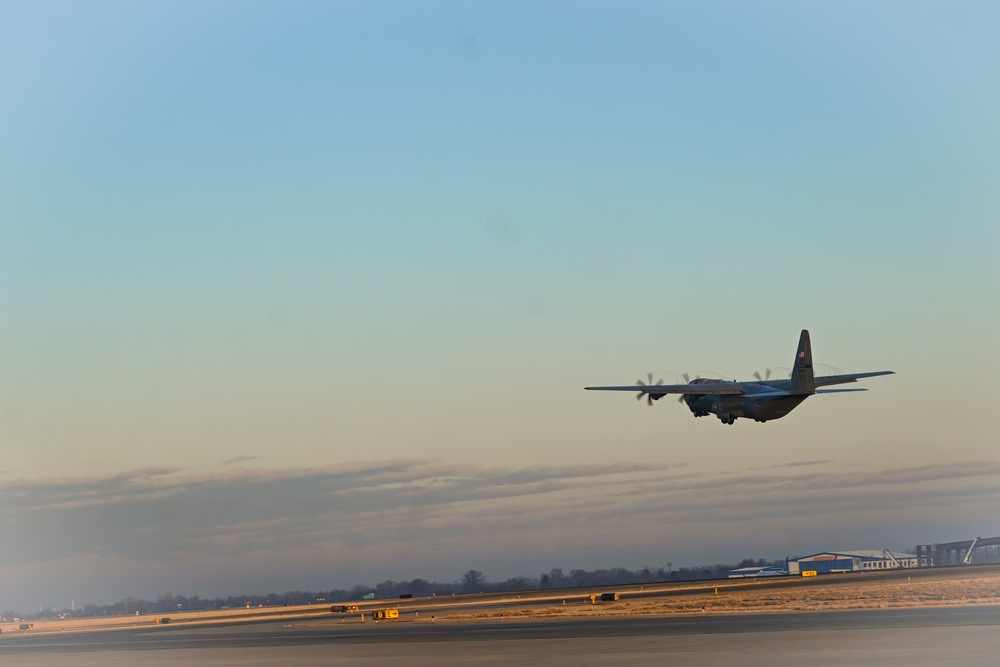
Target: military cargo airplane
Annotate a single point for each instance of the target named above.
(761, 401)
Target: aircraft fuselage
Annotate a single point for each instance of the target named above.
(728, 408)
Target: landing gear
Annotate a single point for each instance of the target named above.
(727, 419)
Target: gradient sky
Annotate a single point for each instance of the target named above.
(305, 294)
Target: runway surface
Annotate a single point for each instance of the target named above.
(914, 637)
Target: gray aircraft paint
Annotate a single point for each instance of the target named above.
(761, 401)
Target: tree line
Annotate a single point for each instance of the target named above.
(473, 581)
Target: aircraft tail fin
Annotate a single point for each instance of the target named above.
(803, 381)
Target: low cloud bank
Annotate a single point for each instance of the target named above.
(367, 521)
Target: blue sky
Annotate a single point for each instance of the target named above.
(262, 239)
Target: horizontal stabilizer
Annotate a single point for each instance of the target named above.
(850, 377)
(837, 391)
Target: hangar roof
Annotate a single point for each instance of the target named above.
(869, 554)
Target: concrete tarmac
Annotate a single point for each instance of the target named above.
(914, 637)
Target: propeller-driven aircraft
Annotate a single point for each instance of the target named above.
(761, 400)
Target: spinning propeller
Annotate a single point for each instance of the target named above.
(649, 397)
(687, 380)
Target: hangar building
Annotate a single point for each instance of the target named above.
(980, 550)
(860, 560)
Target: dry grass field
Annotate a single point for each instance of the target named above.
(820, 594)
(944, 588)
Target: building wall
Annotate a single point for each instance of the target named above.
(885, 564)
(825, 563)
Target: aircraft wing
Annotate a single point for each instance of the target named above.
(850, 377)
(701, 388)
